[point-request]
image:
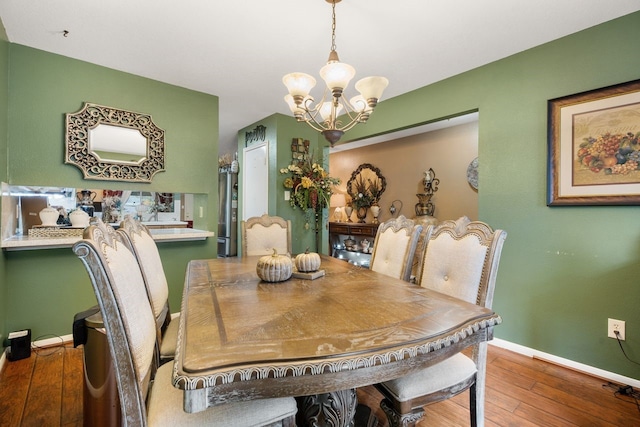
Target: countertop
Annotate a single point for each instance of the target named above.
(17, 243)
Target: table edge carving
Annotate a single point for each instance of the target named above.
(193, 382)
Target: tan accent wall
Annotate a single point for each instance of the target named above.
(403, 161)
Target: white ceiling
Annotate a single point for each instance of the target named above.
(239, 50)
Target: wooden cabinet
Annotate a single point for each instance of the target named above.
(341, 231)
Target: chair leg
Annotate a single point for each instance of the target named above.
(473, 405)
(401, 420)
(477, 389)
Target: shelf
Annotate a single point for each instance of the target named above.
(357, 258)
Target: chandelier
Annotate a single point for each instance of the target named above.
(323, 116)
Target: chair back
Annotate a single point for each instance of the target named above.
(128, 318)
(139, 241)
(260, 235)
(461, 259)
(394, 247)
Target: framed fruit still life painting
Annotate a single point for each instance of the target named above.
(594, 147)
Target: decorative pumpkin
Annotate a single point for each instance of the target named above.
(274, 268)
(308, 262)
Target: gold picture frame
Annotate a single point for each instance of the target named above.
(594, 147)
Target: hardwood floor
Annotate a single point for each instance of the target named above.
(46, 390)
(43, 390)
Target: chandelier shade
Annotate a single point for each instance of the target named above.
(337, 75)
(299, 84)
(333, 115)
(372, 87)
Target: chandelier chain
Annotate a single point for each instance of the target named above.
(333, 26)
(327, 115)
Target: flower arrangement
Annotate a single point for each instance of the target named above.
(361, 197)
(111, 203)
(375, 191)
(366, 193)
(310, 184)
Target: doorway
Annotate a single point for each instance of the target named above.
(255, 181)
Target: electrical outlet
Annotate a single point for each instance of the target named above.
(287, 195)
(616, 325)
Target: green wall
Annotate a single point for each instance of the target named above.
(43, 289)
(4, 62)
(564, 270)
(280, 130)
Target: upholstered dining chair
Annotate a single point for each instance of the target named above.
(147, 396)
(139, 241)
(261, 235)
(461, 259)
(394, 247)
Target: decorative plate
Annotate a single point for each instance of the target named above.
(472, 173)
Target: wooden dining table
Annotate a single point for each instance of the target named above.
(241, 338)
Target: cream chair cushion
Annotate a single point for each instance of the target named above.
(139, 322)
(261, 235)
(449, 372)
(140, 241)
(454, 266)
(391, 251)
(263, 240)
(151, 264)
(395, 247)
(166, 408)
(170, 339)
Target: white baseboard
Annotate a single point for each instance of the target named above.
(590, 370)
(52, 341)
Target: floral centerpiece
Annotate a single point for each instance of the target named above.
(360, 197)
(375, 191)
(311, 188)
(365, 194)
(111, 203)
(310, 184)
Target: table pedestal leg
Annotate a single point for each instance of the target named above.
(335, 409)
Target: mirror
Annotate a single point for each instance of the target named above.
(366, 185)
(116, 144)
(150, 205)
(110, 205)
(111, 144)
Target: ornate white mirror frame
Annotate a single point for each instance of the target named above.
(110, 144)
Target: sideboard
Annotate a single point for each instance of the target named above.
(357, 253)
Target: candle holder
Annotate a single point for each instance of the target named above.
(425, 206)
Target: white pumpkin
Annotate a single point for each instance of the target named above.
(274, 268)
(308, 262)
